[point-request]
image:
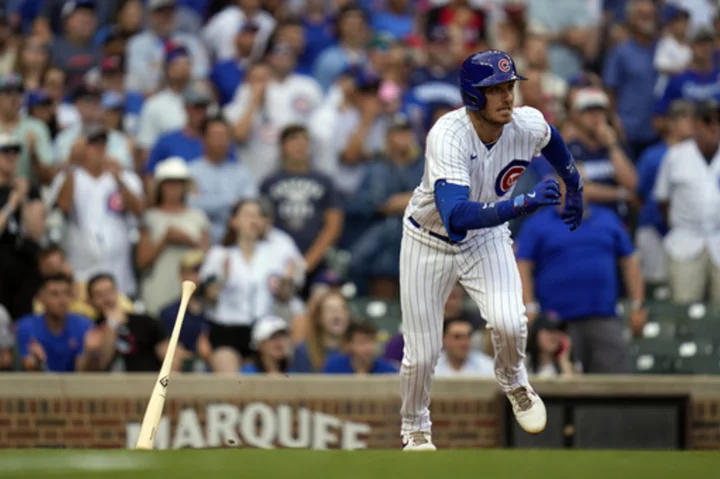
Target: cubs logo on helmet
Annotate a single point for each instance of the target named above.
(509, 175)
(504, 65)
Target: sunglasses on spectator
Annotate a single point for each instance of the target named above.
(12, 91)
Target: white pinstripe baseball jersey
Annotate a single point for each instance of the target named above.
(454, 153)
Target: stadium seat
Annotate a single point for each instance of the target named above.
(657, 329)
(708, 329)
(651, 363)
(655, 346)
(698, 365)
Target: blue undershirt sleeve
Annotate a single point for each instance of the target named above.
(459, 215)
(558, 155)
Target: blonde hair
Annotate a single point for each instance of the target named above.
(316, 349)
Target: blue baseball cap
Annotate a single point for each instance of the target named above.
(37, 98)
(74, 5)
(112, 100)
(174, 50)
(671, 13)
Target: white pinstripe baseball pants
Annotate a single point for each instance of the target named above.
(429, 268)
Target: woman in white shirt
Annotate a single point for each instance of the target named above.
(238, 277)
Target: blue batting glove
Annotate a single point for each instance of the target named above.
(545, 193)
(572, 213)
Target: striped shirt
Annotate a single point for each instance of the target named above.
(457, 155)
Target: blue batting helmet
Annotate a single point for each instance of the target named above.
(483, 69)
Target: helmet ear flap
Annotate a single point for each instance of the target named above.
(474, 99)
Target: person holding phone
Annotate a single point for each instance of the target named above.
(549, 349)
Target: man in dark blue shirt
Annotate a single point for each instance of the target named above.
(306, 204)
(362, 357)
(652, 227)
(597, 149)
(382, 197)
(574, 276)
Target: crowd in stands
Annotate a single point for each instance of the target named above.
(266, 150)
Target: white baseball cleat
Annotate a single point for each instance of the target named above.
(529, 409)
(418, 441)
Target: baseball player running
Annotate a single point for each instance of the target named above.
(455, 229)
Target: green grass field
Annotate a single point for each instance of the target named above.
(252, 463)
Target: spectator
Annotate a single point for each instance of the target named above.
(8, 48)
(219, 182)
(322, 283)
(287, 303)
(457, 358)
(54, 85)
(329, 321)
(169, 230)
(465, 26)
(673, 52)
(361, 359)
(630, 77)
(127, 21)
(112, 81)
(651, 224)
(238, 276)
(32, 62)
(395, 19)
(100, 201)
(292, 32)
(193, 340)
(574, 275)
(52, 14)
(186, 143)
(358, 133)
(146, 51)
(227, 75)
(261, 109)
(42, 108)
(437, 80)
(7, 340)
(572, 30)
(270, 343)
(353, 34)
(687, 192)
(548, 349)
(222, 27)
(698, 82)
(22, 228)
(164, 111)
(32, 163)
(138, 339)
(113, 109)
(57, 340)
(87, 102)
(598, 150)
(52, 262)
(319, 30)
(75, 53)
(382, 197)
(545, 90)
(305, 201)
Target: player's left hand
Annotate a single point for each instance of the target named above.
(572, 213)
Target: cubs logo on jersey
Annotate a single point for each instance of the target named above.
(509, 175)
(116, 203)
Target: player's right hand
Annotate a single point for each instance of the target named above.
(545, 193)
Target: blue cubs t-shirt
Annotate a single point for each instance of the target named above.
(300, 202)
(226, 76)
(598, 168)
(61, 349)
(689, 85)
(342, 364)
(575, 272)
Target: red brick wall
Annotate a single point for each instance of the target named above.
(101, 422)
